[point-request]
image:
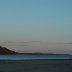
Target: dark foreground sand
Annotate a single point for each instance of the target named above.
(36, 66)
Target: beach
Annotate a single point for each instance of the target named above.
(36, 65)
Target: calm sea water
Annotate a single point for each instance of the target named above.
(30, 57)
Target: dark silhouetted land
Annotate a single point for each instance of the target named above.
(4, 50)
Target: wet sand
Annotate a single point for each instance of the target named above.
(35, 65)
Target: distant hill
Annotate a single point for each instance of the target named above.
(4, 50)
(42, 53)
(45, 54)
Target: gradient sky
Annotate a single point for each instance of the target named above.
(37, 22)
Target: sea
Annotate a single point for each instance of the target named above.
(32, 57)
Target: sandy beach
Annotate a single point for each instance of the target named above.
(35, 65)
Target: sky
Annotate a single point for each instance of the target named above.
(36, 25)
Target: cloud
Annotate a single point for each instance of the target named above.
(32, 42)
(9, 42)
(13, 42)
(67, 43)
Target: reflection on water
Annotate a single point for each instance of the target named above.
(28, 57)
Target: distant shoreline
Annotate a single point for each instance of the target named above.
(33, 54)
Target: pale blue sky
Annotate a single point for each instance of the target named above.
(36, 20)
